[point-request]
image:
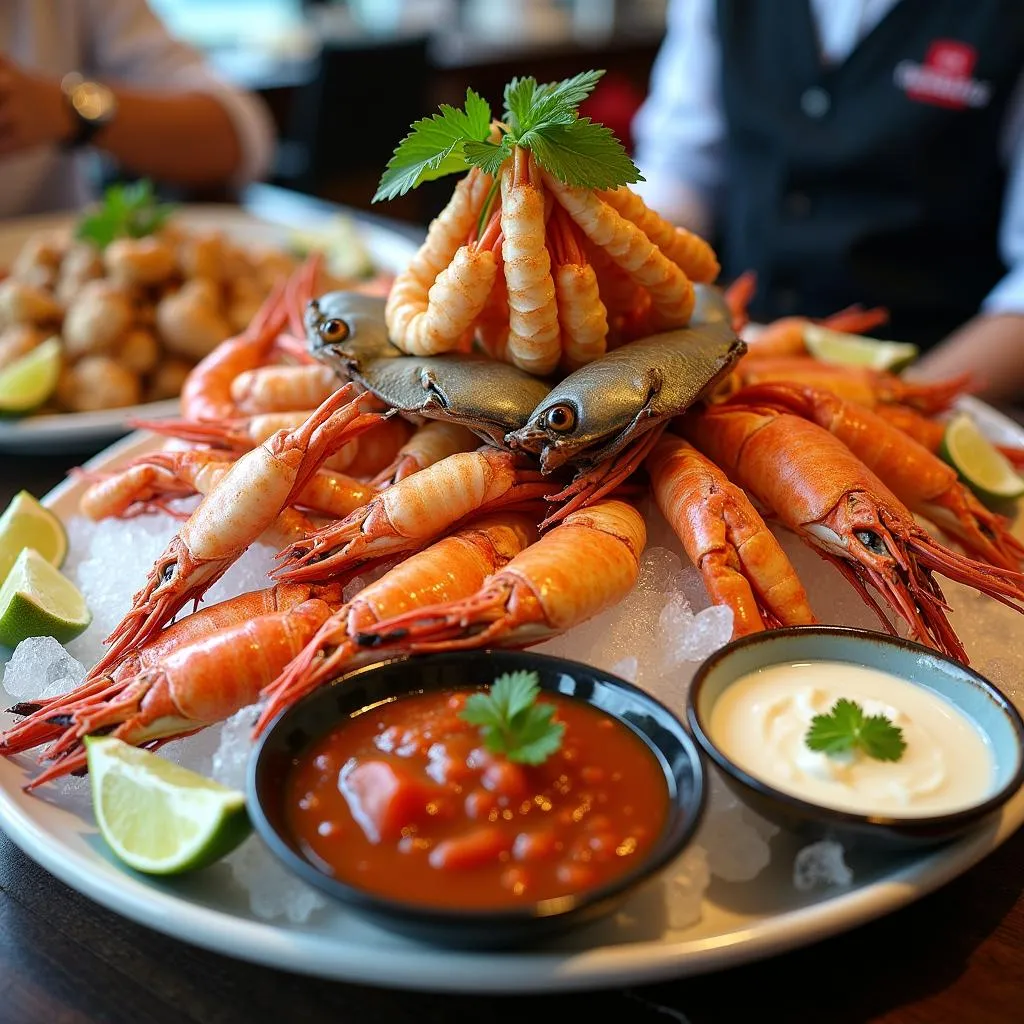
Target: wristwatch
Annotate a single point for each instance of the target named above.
(92, 105)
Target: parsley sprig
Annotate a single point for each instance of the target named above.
(512, 722)
(542, 118)
(846, 728)
(126, 211)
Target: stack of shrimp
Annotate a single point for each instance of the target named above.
(397, 537)
(544, 275)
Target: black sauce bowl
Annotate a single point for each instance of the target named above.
(971, 693)
(298, 727)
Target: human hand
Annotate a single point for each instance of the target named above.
(32, 109)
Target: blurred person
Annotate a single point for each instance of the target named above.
(106, 74)
(854, 151)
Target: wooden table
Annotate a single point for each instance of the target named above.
(956, 956)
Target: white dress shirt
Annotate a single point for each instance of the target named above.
(680, 129)
(116, 40)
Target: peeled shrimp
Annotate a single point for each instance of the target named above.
(534, 338)
(686, 250)
(283, 388)
(434, 301)
(672, 295)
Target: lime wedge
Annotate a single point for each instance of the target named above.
(26, 524)
(37, 600)
(29, 381)
(857, 350)
(980, 464)
(158, 817)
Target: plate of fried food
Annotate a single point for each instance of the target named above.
(104, 313)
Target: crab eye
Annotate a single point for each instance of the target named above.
(560, 418)
(333, 330)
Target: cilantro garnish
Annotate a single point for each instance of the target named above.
(512, 722)
(846, 728)
(542, 118)
(127, 211)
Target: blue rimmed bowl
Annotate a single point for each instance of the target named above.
(297, 728)
(971, 693)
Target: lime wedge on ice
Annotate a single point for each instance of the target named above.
(857, 350)
(158, 817)
(980, 464)
(26, 524)
(30, 380)
(37, 600)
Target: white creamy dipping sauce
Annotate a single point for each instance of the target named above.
(760, 722)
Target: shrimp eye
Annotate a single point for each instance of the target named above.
(560, 418)
(333, 330)
(167, 572)
(872, 542)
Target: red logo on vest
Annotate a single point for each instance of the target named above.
(944, 79)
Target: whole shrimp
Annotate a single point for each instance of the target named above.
(149, 481)
(818, 488)
(238, 509)
(857, 384)
(240, 434)
(931, 433)
(534, 342)
(433, 441)
(540, 593)
(283, 387)
(48, 719)
(453, 567)
(742, 564)
(582, 316)
(671, 291)
(435, 300)
(923, 482)
(413, 512)
(190, 688)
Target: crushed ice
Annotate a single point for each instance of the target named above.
(668, 612)
(821, 864)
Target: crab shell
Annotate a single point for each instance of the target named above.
(586, 418)
(489, 397)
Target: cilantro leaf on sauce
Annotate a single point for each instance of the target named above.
(511, 720)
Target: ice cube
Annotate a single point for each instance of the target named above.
(658, 567)
(686, 881)
(735, 838)
(40, 667)
(821, 864)
(273, 891)
(231, 758)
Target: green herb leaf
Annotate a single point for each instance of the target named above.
(846, 728)
(542, 118)
(126, 211)
(434, 146)
(584, 154)
(512, 722)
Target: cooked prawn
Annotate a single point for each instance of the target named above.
(686, 250)
(453, 567)
(413, 512)
(672, 295)
(432, 442)
(534, 341)
(540, 593)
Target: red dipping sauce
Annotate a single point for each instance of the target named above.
(404, 800)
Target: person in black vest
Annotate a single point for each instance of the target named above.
(849, 151)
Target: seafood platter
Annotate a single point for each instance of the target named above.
(548, 437)
(132, 294)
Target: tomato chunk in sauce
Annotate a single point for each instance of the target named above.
(405, 800)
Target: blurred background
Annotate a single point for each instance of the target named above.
(344, 78)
